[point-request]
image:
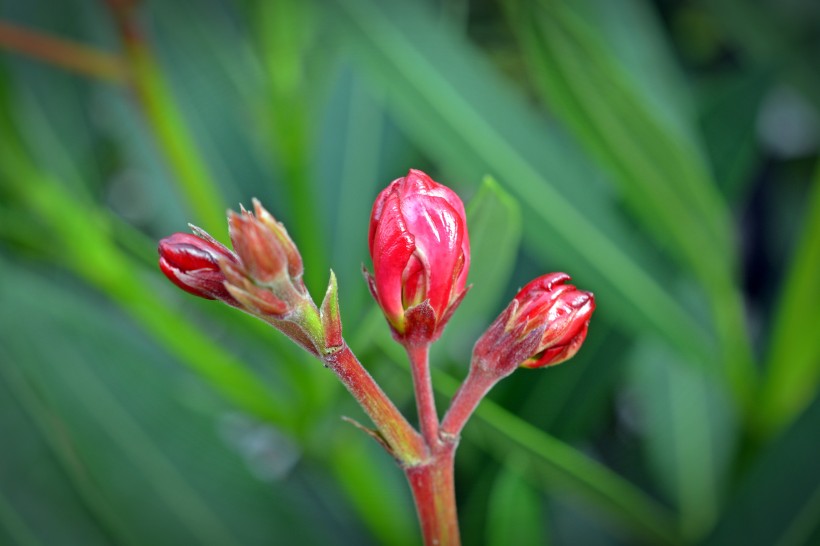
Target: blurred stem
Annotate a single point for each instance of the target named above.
(165, 120)
(419, 356)
(80, 236)
(66, 54)
(284, 32)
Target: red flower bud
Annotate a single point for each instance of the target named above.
(192, 263)
(545, 324)
(263, 277)
(421, 255)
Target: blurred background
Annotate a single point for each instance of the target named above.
(664, 153)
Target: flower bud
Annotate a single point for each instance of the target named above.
(263, 277)
(421, 255)
(265, 248)
(268, 276)
(545, 324)
(192, 263)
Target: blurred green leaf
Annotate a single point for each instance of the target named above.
(375, 486)
(635, 130)
(516, 513)
(769, 34)
(570, 401)
(353, 174)
(494, 223)
(174, 138)
(657, 165)
(285, 32)
(689, 432)
(793, 361)
(106, 410)
(39, 503)
(729, 118)
(778, 501)
(570, 470)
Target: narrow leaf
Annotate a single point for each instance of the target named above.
(494, 225)
(515, 514)
(779, 500)
(793, 360)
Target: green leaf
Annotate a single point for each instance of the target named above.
(793, 359)
(133, 433)
(32, 481)
(729, 116)
(637, 131)
(285, 32)
(355, 127)
(570, 402)
(656, 163)
(494, 226)
(375, 487)
(689, 432)
(778, 502)
(515, 514)
(568, 469)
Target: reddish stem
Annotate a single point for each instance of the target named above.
(466, 400)
(423, 386)
(433, 489)
(404, 442)
(64, 53)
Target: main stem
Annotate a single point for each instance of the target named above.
(423, 386)
(434, 494)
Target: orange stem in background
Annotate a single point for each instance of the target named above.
(63, 53)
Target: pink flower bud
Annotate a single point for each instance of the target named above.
(192, 263)
(421, 255)
(545, 324)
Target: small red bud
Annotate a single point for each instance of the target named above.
(545, 324)
(192, 263)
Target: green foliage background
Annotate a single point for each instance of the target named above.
(663, 153)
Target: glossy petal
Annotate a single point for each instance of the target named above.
(420, 249)
(192, 263)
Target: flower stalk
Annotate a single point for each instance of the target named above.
(423, 387)
(421, 256)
